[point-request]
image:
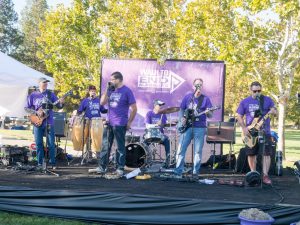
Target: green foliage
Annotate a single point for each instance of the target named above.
(10, 37)
(32, 16)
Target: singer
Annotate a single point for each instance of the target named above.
(35, 102)
(90, 105)
(120, 99)
(197, 102)
(257, 105)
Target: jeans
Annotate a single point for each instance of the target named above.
(39, 133)
(109, 133)
(184, 142)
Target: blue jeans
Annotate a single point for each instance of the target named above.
(184, 141)
(39, 133)
(109, 133)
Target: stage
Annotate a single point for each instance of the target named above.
(76, 194)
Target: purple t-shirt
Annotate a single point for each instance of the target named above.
(36, 99)
(153, 118)
(249, 105)
(189, 103)
(91, 107)
(118, 105)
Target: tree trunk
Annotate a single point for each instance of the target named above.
(281, 128)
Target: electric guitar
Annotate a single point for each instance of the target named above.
(189, 116)
(37, 117)
(253, 129)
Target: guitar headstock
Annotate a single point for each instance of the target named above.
(216, 107)
(70, 92)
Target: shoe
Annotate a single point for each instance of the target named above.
(267, 180)
(195, 175)
(53, 167)
(98, 170)
(120, 172)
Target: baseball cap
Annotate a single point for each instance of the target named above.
(92, 87)
(158, 102)
(43, 80)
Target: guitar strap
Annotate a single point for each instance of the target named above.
(261, 104)
(201, 98)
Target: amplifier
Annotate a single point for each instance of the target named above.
(220, 132)
(60, 123)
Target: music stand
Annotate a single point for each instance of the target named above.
(221, 133)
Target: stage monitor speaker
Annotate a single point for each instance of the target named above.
(60, 123)
(220, 132)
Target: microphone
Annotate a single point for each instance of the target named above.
(198, 86)
(111, 86)
(258, 97)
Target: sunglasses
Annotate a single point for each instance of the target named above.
(254, 91)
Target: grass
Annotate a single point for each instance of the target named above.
(292, 155)
(20, 219)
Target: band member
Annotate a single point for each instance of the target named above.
(194, 103)
(154, 119)
(41, 101)
(253, 106)
(90, 105)
(120, 99)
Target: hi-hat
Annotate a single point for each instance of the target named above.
(169, 110)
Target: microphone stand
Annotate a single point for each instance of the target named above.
(85, 155)
(46, 107)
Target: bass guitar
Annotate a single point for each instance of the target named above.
(189, 116)
(37, 117)
(253, 128)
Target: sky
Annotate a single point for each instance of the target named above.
(20, 4)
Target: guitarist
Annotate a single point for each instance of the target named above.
(257, 105)
(37, 101)
(194, 103)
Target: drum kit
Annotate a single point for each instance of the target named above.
(143, 151)
(140, 150)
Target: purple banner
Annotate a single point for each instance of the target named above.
(169, 82)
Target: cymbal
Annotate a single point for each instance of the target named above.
(169, 110)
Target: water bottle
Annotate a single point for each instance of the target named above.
(278, 159)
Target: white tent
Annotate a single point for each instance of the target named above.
(15, 79)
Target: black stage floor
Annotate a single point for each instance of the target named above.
(227, 189)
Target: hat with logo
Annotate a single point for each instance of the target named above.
(158, 102)
(43, 80)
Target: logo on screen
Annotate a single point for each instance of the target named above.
(160, 80)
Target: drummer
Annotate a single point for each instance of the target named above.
(155, 119)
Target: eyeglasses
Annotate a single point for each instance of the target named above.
(254, 91)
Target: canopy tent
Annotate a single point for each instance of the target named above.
(15, 79)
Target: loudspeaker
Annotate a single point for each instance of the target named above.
(60, 123)
(220, 132)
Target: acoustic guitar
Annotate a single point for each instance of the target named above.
(189, 114)
(37, 117)
(253, 128)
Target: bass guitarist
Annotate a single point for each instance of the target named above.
(256, 108)
(41, 102)
(192, 126)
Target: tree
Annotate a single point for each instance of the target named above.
(33, 16)
(10, 37)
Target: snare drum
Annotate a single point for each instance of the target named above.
(77, 132)
(137, 155)
(96, 133)
(153, 135)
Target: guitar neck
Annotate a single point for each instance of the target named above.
(260, 123)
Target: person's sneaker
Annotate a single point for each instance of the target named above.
(267, 180)
(53, 167)
(120, 172)
(97, 170)
(195, 175)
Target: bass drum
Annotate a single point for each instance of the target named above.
(137, 155)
